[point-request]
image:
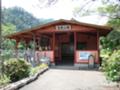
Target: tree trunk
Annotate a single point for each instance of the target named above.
(1, 61)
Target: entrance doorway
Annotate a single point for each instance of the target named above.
(67, 51)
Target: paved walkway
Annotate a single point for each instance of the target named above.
(58, 79)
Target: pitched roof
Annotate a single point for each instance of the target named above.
(99, 27)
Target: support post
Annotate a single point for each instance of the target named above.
(26, 44)
(98, 51)
(75, 47)
(53, 48)
(26, 47)
(34, 48)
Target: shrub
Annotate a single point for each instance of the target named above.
(34, 70)
(43, 65)
(105, 54)
(112, 68)
(4, 80)
(16, 69)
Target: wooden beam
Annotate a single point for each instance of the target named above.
(72, 30)
(54, 47)
(75, 39)
(98, 47)
(87, 33)
(34, 41)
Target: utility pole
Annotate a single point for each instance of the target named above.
(1, 62)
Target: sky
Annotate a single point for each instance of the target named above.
(63, 9)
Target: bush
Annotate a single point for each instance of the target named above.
(16, 69)
(4, 80)
(112, 66)
(105, 54)
(36, 69)
(43, 65)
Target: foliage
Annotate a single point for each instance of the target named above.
(114, 38)
(16, 69)
(109, 8)
(106, 44)
(15, 19)
(4, 80)
(37, 68)
(112, 66)
(18, 17)
(7, 45)
(8, 28)
(34, 70)
(110, 51)
(43, 65)
(21, 18)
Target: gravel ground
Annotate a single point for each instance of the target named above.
(58, 79)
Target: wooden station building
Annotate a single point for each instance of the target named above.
(65, 41)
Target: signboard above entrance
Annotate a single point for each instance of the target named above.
(63, 27)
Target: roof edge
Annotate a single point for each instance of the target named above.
(72, 21)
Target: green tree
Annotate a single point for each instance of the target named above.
(0, 44)
(111, 9)
(8, 28)
(111, 44)
(21, 18)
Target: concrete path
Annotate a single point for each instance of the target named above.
(58, 79)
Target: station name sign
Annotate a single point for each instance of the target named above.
(63, 27)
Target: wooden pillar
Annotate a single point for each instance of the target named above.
(39, 41)
(26, 47)
(98, 51)
(51, 43)
(34, 48)
(54, 48)
(26, 44)
(75, 39)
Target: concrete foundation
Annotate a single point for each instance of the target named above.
(80, 65)
(52, 64)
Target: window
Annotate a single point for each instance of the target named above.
(81, 45)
